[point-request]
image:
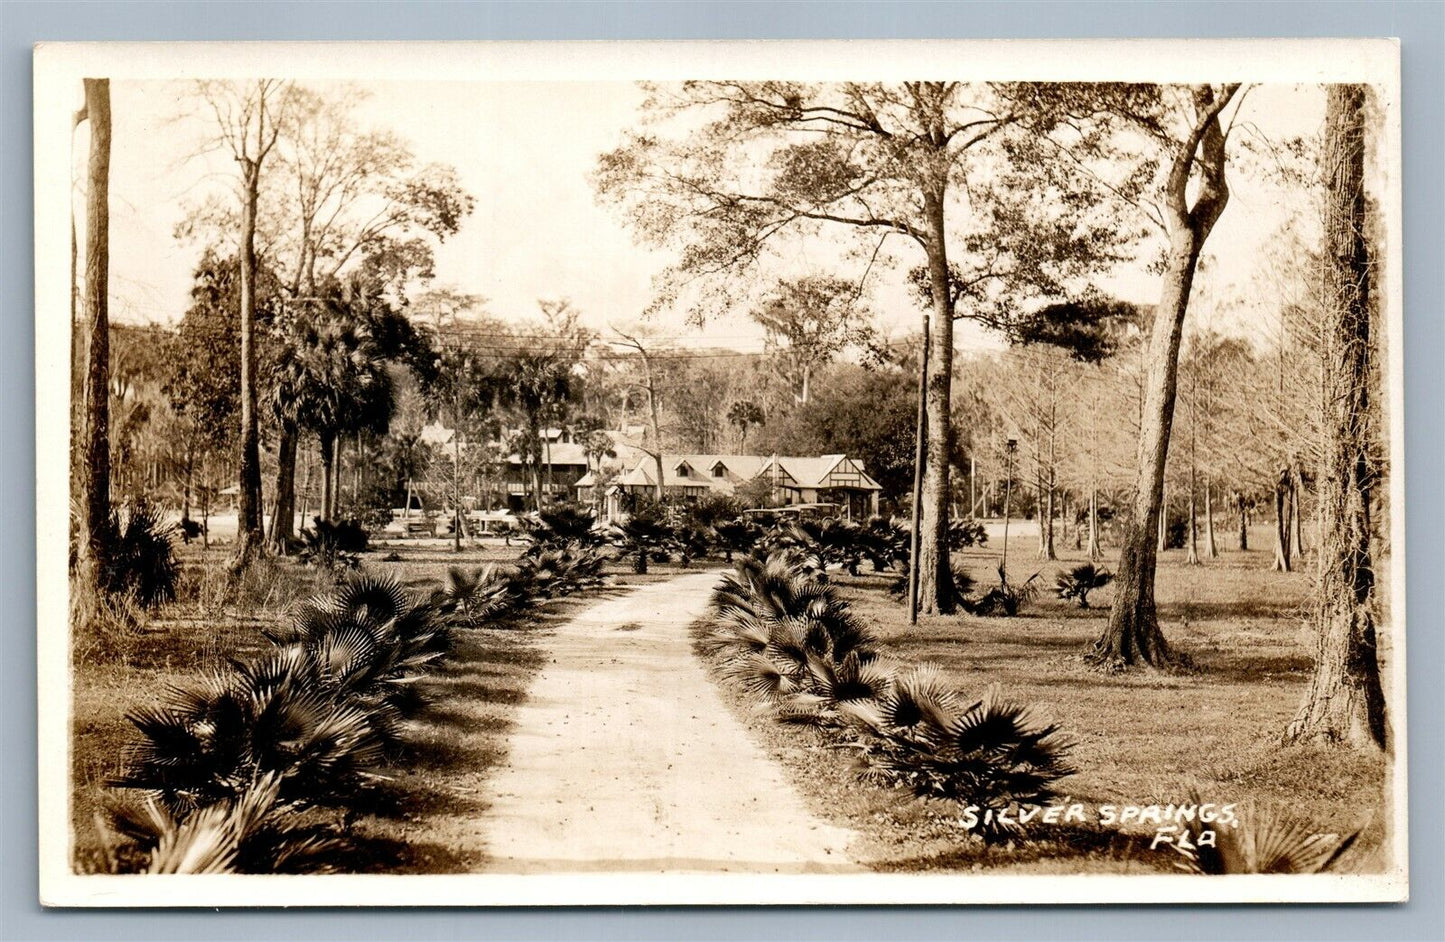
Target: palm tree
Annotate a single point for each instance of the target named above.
(332, 379)
(741, 415)
(645, 532)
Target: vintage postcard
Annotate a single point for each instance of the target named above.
(741, 472)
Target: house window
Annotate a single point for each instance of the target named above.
(718, 471)
(682, 470)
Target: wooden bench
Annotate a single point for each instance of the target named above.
(421, 526)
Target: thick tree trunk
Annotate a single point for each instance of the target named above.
(283, 514)
(935, 577)
(1133, 636)
(249, 536)
(1345, 702)
(93, 539)
(1243, 522)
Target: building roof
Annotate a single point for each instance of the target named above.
(793, 471)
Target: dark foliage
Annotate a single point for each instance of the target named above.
(1078, 582)
(141, 559)
(331, 544)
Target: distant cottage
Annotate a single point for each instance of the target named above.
(787, 480)
(630, 473)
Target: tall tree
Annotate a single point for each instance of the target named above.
(1196, 162)
(95, 466)
(808, 321)
(753, 164)
(248, 116)
(649, 384)
(1345, 702)
(743, 415)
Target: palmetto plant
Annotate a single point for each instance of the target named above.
(784, 636)
(318, 711)
(562, 525)
(477, 598)
(735, 536)
(884, 542)
(1006, 598)
(1078, 582)
(331, 544)
(140, 560)
(253, 832)
(557, 571)
(1266, 839)
(643, 534)
(210, 742)
(923, 735)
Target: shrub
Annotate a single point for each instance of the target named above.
(922, 735)
(330, 544)
(1078, 582)
(562, 525)
(884, 542)
(1265, 839)
(251, 833)
(141, 560)
(737, 535)
(691, 543)
(781, 634)
(318, 711)
(552, 573)
(645, 534)
(1004, 599)
(477, 598)
(965, 533)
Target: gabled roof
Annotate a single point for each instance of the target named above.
(797, 472)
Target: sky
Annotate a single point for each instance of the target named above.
(526, 151)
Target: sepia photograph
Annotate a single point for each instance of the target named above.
(719, 472)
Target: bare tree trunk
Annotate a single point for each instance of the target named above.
(1193, 558)
(1162, 530)
(337, 463)
(935, 577)
(1296, 534)
(328, 456)
(1345, 702)
(250, 536)
(1211, 548)
(1281, 523)
(1094, 551)
(1243, 522)
(284, 513)
(1048, 552)
(93, 539)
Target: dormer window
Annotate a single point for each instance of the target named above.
(718, 470)
(682, 470)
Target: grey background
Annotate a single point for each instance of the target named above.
(1421, 26)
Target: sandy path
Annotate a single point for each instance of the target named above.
(624, 758)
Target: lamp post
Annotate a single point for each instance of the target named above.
(1009, 448)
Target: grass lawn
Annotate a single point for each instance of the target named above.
(1143, 738)
(423, 818)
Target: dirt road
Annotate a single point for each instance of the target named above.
(624, 758)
